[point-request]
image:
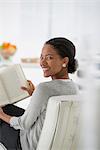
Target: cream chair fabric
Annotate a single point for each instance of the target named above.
(61, 126)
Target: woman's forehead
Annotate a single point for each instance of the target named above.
(48, 49)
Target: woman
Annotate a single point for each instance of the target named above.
(57, 60)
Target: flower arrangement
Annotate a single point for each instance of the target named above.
(7, 50)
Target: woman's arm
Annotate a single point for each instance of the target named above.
(34, 109)
(39, 99)
(30, 88)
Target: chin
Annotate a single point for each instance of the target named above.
(46, 75)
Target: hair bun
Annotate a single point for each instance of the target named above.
(72, 66)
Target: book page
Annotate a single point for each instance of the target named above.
(13, 78)
(3, 97)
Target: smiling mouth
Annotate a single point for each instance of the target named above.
(45, 69)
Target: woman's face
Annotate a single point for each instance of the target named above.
(51, 62)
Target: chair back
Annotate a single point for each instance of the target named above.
(61, 126)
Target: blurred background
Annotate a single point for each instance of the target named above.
(27, 24)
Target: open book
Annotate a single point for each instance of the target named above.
(11, 80)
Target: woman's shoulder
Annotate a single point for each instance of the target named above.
(44, 84)
(44, 88)
(53, 83)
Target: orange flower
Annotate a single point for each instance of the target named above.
(7, 50)
(5, 45)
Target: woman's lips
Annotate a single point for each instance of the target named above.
(45, 69)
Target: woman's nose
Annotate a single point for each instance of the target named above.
(43, 61)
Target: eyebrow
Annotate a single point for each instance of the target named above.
(47, 54)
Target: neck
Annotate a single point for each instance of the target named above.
(60, 77)
(63, 74)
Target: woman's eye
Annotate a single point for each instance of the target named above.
(49, 57)
(46, 57)
(41, 57)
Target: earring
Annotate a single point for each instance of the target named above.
(64, 65)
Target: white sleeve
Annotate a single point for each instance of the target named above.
(14, 122)
(38, 100)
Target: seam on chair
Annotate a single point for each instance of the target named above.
(69, 112)
(78, 122)
(55, 127)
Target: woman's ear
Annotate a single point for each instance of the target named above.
(66, 60)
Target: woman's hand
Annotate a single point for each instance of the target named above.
(1, 112)
(30, 88)
(4, 116)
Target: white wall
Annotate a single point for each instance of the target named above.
(29, 23)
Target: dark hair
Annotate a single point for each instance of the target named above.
(65, 48)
